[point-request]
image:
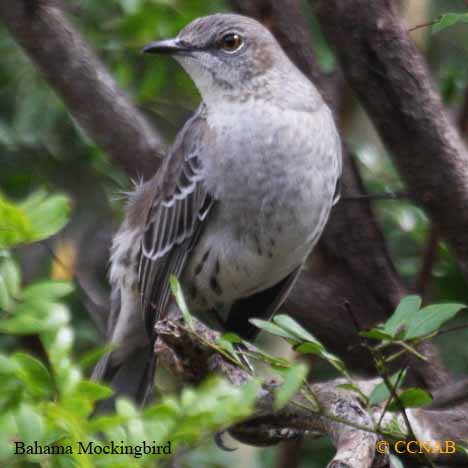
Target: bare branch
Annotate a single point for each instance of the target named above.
(86, 87)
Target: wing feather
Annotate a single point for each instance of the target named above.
(174, 221)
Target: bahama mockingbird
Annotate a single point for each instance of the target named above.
(238, 204)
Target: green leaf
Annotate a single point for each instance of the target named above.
(15, 227)
(168, 408)
(35, 317)
(38, 217)
(412, 398)
(293, 380)
(232, 338)
(30, 425)
(8, 428)
(126, 408)
(59, 344)
(381, 392)
(106, 422)
(227, 346)
(8, 365)
(10, 278)
(318, 349)
(310, 348)
(5, 299)
(406, 309)
(289, 328)
(180, 299)
(130, 6)
(11, 275)
(92, 390)
(34, 375)
(47, 291)
(429, 319)
(462, 448)
(292, 327)
(449, 19)
(272, 329)
(48, 214)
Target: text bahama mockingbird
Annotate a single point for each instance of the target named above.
(238, 204)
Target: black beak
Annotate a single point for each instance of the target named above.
(167, 46)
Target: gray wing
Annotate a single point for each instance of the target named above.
(174, 221)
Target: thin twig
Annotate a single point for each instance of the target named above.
(388, 402)
(382, 371)
(423, 25)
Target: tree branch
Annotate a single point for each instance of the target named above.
(86, 87)
(390, 77)
(186, 354)
(190, 354)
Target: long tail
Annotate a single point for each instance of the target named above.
(133, 378)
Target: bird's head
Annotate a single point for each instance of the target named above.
(225, 54)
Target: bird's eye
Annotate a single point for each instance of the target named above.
(231, 42)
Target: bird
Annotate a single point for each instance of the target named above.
(239, 202)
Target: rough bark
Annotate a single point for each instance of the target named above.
(391, 79)
(80, 79)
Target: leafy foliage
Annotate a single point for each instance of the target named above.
(294, 378)
(51, 402)
(410, 322)
(36, 218)
(449, 19)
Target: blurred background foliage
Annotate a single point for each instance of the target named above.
(41, 147)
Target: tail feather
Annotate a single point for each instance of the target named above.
(133, 378)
